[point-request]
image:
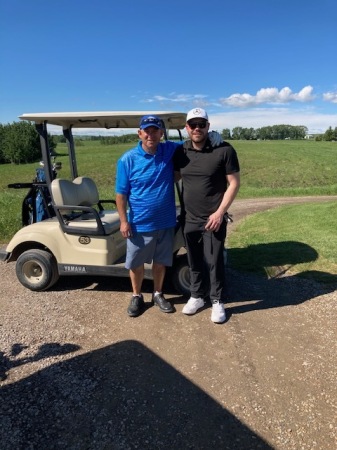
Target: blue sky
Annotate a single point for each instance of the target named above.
(248, 63)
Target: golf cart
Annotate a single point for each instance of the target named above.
(76, 234)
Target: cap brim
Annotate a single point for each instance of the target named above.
(142, 127)
(197, 118)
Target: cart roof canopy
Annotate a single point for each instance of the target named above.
(106, 119)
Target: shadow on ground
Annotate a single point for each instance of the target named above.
(119, 397)
(277, 258)
(274, 254)
(11, 361)
(253, 292)
(264, 290)
(269, 288)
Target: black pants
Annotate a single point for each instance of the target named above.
(205, 253)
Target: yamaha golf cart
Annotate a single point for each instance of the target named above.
(67, 228)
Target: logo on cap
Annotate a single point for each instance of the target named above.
(150, 121)
(197, 113)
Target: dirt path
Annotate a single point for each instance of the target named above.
(77, 373)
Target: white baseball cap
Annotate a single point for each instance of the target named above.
(197, 113)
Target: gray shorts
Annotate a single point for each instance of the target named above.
(156, 246)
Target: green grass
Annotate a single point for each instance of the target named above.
(268, 169)
(287, 168)
(297, 239)
(93, 160)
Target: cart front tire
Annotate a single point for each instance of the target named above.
(37, 270)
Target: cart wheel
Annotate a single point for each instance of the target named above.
(181, 275)
(37, 270)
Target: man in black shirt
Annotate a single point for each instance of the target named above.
(210, 182)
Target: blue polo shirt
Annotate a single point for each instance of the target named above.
(147, 182)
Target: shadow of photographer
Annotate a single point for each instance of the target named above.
(117, 397)
(8, 362)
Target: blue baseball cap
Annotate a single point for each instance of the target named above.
(150, 121)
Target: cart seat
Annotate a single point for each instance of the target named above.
(79, 209)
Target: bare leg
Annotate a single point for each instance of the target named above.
(136, 277)
(158, 272)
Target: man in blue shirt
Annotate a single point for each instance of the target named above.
(145, 185)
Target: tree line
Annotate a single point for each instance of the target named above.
(104, 140)
(329, 135)
(276, 132)
(20, 142)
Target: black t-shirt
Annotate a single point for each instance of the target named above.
(204, 177)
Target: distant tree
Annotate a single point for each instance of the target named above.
(226, 134)
(335, 134)
(329, 135)
(237, 133)
(2, 134)
(265, 133)
(59, 138)
(303, 131)
(249, 134)
(20, 143)
(123, 139)
(78, 142)
(281, 132)
(51, 143)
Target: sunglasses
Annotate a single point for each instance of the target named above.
(195, 125)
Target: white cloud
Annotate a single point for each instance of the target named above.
(177, 98)
(305, 94)
(269, 96)
(258, 110)
(330, 97)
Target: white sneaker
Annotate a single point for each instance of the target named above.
(193, 305)
(218, 312)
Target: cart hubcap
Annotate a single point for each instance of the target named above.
(32, 271)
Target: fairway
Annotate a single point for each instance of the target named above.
(287, 168)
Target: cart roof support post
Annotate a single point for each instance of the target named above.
(41, 128)
(67, 133)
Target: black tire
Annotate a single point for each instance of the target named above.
(55, 276)
(37, 270)
(181, 275)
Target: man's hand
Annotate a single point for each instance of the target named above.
(215, 138)
(214, 221)
(125, 229)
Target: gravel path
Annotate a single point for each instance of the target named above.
(77, 373)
